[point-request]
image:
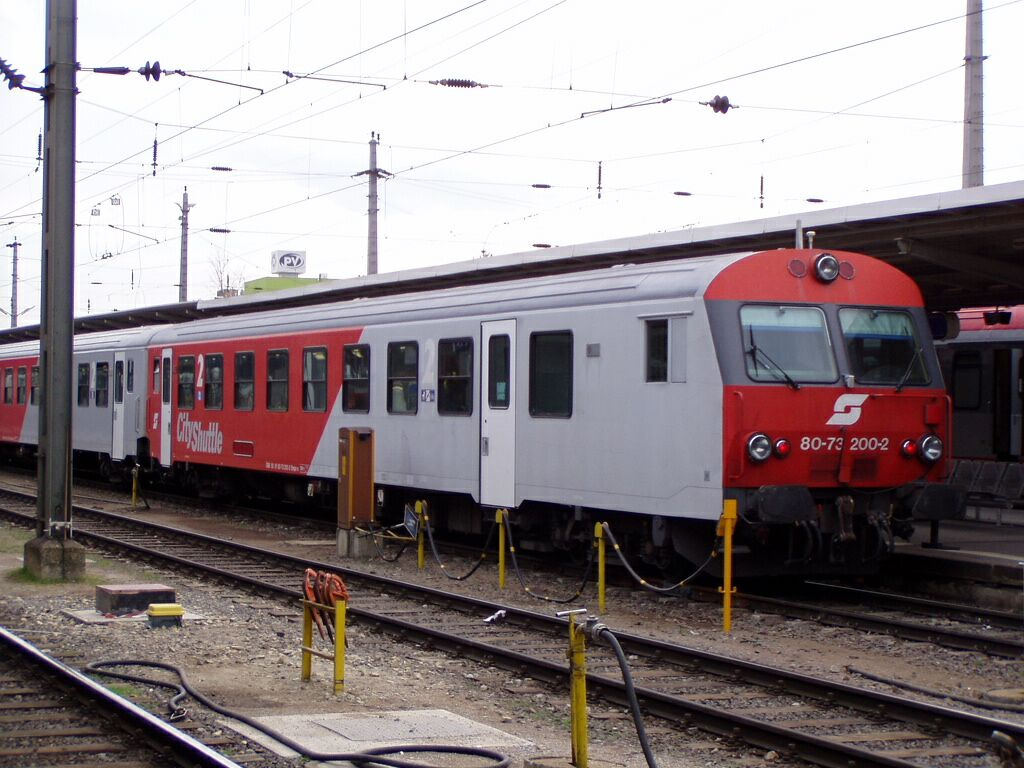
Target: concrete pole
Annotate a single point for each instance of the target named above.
(52, 554)
(183, 272)
(14, 282)
(371, 239)
(974, 113)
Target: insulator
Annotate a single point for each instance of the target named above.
(720, 104)
(459, 83)
(153, 71)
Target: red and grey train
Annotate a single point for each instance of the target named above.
(801, 383)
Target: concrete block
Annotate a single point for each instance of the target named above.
(128, 598)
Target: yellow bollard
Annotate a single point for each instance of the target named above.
(307, 640)
(726, 526)
(499, 518)
(421, 519)
(340, 610)
(578, 688)
(601, 565)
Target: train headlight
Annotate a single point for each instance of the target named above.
(759, 447)
(826, 267)
(910, 448)
(783, 448)
(930, 448)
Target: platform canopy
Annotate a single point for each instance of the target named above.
(965, 248)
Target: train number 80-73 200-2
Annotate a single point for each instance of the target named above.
(836, 443)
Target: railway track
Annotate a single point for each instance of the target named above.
(827, 723)
(51, 715)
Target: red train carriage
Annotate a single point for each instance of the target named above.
(800, 383)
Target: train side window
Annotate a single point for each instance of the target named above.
(213, 382)
(8, 386)
(499, 363)
(314, 379)
(455, 376)
(156, 375)
(187, 382)
(118, 382)
(130, 378)
(33, 391)
(657, 350)
(102, 385)
(355, 387)
(22, 384)
(277, 380)
(403, 377)
(245, 381)
(551, 374)
(83, 385)
(967, 381)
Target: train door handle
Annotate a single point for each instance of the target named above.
(485, 446)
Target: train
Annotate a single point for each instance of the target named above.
(801, 383)
(983, 364)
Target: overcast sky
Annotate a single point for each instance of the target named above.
(842, 102)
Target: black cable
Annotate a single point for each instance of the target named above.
(522, 580)
(437, 556)
(642, 581)
(375, 756)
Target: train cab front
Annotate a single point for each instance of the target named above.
(835, 418)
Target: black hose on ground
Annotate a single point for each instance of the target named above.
(377, 756)
(602, 632)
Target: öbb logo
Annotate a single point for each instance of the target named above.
(846, 410)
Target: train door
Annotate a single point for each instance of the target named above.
(498, 414)
(165, 407)
(117, 442)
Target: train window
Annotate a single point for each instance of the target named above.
(882, 346)
(245, 381)
(355, 387)
(314, 379)
(22, 384)
(967, 381)
(165, 381)
(403, 377)
(499, 363)
(156, 375)
(455, 376)
(657, 350)
(8, 386)
(551, 374)
(102, 385)
(213, 382)
(118, 382)
(33, 391)
(786, 344)
(130, 378)
(83, 385)
(187, 382)
(277, 380)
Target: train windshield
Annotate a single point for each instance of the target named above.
(882, 346)
(787, 344)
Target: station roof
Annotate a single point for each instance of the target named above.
(965, 248)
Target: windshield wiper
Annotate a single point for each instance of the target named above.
(755, 350)
(910, 367)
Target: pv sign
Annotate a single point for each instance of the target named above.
(288, 262)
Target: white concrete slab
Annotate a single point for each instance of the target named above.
(354, 732)
(92, 616)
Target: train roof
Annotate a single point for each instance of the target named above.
(962, 247)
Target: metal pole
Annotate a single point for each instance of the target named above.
(14, 282)
(974, 113)
(56, 326)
